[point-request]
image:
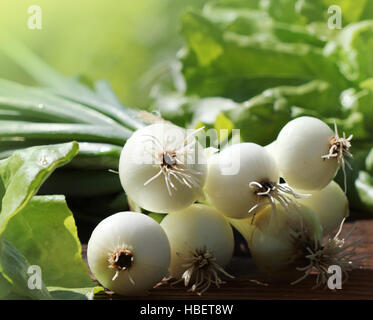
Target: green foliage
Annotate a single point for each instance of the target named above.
(262, 63)
(49, 239)
(38, 230)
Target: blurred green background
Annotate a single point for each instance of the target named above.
(122, 41)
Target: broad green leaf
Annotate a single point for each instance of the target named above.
(20, 178)
(22, 174)
(92, 155)
(49, 239)
(14, 275)
(38, 230)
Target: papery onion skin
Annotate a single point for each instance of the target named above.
(273, 250)
(144, 238)
(330, 204)
(230, 193)
(135, 174)
(300, 146)
(196, 227)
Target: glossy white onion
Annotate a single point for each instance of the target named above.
(273, 239)
(289, 246)
(308, 153)
(330, 204)
(271, 147)
(128, 253)
(241, 178)
(201, 243)
(162, 168)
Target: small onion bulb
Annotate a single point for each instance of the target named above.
(162, 168)
(243, 177)
(271, 148)
(128, 253)
(271, 238)
(309, 153)
(202, 245)
(330, 205)
(289, 246)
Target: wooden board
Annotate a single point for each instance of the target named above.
(249, 282)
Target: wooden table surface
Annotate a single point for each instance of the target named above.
(250, 284)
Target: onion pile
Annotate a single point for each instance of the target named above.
(164, 169)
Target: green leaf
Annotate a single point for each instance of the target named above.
(68, 87)
(61, 132)
(37, 230)
(62, 293)
(22, 174)
(306, 11)
(258, 24)
(248, 63)
(352, 11)
(369, 162)
(223, 126)
(49, 239)
(20, 178)
(14, 275)
(261, 118)
(367, 84)
(203, 37)
(353, 49)
(364, 187)
(48, 107)
(97, 156)
(283, 10)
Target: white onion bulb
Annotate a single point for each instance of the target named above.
(162, 168)
(272, 242)
(128, 253)
(288, 245)
(330, 204)
(309, 153)
(271, 148)
(243, 177)
(202, 245)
